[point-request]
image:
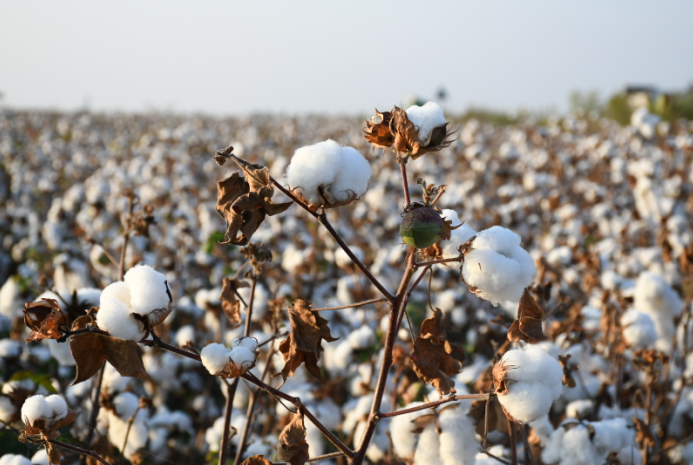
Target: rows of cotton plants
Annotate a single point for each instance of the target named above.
(274, 289)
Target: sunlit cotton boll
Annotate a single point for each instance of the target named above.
(457, 237)
(115, 317)
(638, 329)
(426, 117)
(497, 266)
(14, 459)
(148, 289)
(36, 408)
(58, 405)
(215, 357)
(40, 458)
(536, 382)
(328, 164)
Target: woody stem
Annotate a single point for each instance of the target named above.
(77, 449)
(435, 404)
(405, 182)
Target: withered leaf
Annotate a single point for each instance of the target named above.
(91, 350)
(229, 303)
(496, 420)
(378, 133)
(292, 446)
(245, 201)
(436, 359)
(54, 454)
(644, 436)
(44, 318)
(304, 343)
(256, 460)
(527, 327)
(568, 379)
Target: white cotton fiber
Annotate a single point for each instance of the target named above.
(638, 329)
(215, 357)
(402, 431)
(58, 405)
(7, 409)
(14, 459)
(343, 169)
(362, 338)
(457, 237)
(426, 117)
(184, 335)
(114, 316)
(497, 238)
(247, 342)
(534, 381)
(40, 458)
(458, 444)
(243, 357)
(428, 447)
(118, 291)
(125, 405)
(35, 408)
(656, 298)
(148, 289)
(497, 277)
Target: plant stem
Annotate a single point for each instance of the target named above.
(127, 433)
(513, 442)
(325, 456)
(405, 182)
(411, 289)
(357, 304)
(249, 307)
(230, 394)
(251, 407)
(95, 402)
(435, 404)
(396, 309)
(440, 260)
(80, 450)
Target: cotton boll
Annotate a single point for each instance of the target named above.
(118, 291)
(125, 405)
(402, 431)
(215, 357)
(40, 458)
(14, 459)
(184, 335)
(247, 342)
(362, 338)
(352, 178)
(35, 408)
(527, 401)
(457, 438)
(114, 317)
(243, 357)
(638, 329)
(498, 277)
(10, 299)
(58, 405)
(579, 408)
(428, 447)
(572, 447)
(426, 117)
(148, 289)
(497, 238)
(313, 166)
(656, 298)
(10, 348)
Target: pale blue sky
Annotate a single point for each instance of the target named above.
(227, 57)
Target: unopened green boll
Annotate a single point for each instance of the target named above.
(421, 227)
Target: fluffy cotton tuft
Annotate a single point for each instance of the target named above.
(215, 357)
(115, 317)
(362, 338)
(575, 444)
(243, 357)
(638, 329)
(426, 117)
(58, 405)
(457, 237)
(535, 381)
(148, 289)
(343, 169)
(497, 266)
(35, 408)
(457, 438)
(14, 459)
(248, 342)
(656, 298)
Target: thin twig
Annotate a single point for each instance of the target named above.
(95, 402)
(127, 432)
(354, 305)
(249, 308)
(405, 182)
(230, 394)
(435, 404)
(276, 336)
(438, 261)
(325, 456)
(513, 442)
(80, 450)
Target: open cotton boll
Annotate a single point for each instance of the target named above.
(572, 447)
(428, 447)
(497, 238)
(118, 291)
(362, 338)
(638, 329)
(58, 405)
(14, 459)
(40, 458)
(125, 405)
(215, 357)
(313, 166)
(352, 177)
(148, 289)
(656, 298)
(458, 444)
(426, 117)
(402, 431)
(7, 409)
(35, 408)
(114, 317)
(184, 335)
(247, 342)
(243, 357)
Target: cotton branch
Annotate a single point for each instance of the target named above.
(80, 450)
(435, 404)
(354, 305)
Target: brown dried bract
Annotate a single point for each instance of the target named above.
(303, 345)
(91, 350)
(256, 460)
(436, 359)
(44, 318)
(407, 139)
(327, 199)
(292, 446)
(500, 378)
(527, 327)
(378, 133)
(245, 201)
(41, 430)
(568, 379)
(496, 420)
(229, 303)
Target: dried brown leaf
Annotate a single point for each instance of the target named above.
(436, 359)
(568, 379)
(528, 327)
(44, 318)
(229, 303)
(304, 343)
(292, 446)
(379, 134)
(91, 350)
(54, 454)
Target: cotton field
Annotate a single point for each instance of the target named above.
(549, 322)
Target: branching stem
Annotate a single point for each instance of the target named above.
(357, 304)
(79, 450)
(452, 398)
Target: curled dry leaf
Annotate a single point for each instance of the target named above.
(489, 416)
(292, 446)
(304, 343)
(327, 199)
(245, 201)
(501, 383)
(568, 379)
(407, 139)
(91, 350)
(436, 359)
(644, 436)
(229, 303)
(44, 318)
(378, 134)
(527, 327)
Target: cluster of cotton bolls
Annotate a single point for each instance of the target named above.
(217, 357)
(602, 211)
(39, 407)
